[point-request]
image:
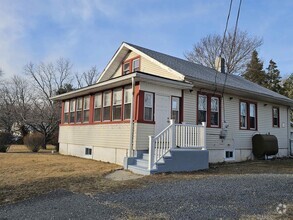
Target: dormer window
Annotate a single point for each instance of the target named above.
(131, 65)
(135, 65)
(126, 68)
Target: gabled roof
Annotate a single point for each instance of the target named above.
(197, 72)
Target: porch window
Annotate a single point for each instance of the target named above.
(135, 65)
(214, 112)
(66, 111)
(72, 111)
(106, 105)
(78, 110)
(248, 115)
(86, 109)
(276, 116)
(126, 68)
(98, 107)
(148, 106)
(127, 102)
(117, 104)
(176, 109)
(202, 109)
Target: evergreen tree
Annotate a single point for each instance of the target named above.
(288, 87)
(273, 78)
(254, 70)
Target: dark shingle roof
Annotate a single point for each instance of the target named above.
(206, 74)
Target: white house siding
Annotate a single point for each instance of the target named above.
(142, 132)
(109, 142)
(148, 66)
(239, 141)
(160, 90)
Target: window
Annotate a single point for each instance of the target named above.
(248, 115)
(148, 106)
(135, 65)
(72, 111)
(214, 112)
(86, 109)
(202, 109)
(66, 111)
(78, 110)
(106, 105)
(229, 155)
(126, 68)
(252, 116)
(276, 116)
(88, 151)
(209, 110)
(97, 107)
(117, 104)
(176, 109)
(243, 113)
(127, 102)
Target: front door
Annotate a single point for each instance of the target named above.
(162, 112)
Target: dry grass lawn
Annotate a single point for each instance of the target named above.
(24, 174)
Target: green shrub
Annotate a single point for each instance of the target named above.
(6, 140)
(34, 141)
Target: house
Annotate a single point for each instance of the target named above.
(152, 112)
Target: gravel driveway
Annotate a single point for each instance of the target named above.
(214, 197)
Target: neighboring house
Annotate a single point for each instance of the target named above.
(103, 123)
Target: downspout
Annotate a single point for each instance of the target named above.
(130, 154)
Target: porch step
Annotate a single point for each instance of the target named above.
(139, 169)
(145, 156)
(142, 163)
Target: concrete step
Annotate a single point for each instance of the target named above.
(145, 156)
(139, 170)
(142, 163)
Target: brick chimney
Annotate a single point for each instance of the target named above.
(220, 64)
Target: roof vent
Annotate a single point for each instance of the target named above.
(220, 64)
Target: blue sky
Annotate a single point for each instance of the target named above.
(88, 32)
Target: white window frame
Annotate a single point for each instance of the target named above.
(148, 105)
(175, 108)
(133, 69)
(123, 68)
(72, 110)
(245, 115)
(206, 106)
(229, 158)
(116, 102)
(106, 105)
(217, 111)
(127, 100)
(66, 111)
(79, 109)
(86, 108)
(90, 156)
(252, 104)
(98, 105)
(278, 118)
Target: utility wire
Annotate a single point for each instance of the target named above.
(232, 47)
(223, 40)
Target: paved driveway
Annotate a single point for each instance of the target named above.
(214, 197)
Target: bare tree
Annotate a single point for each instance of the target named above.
(236, 53)
(87, 78)
(47, 80)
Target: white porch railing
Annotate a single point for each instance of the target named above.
(175, 135)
